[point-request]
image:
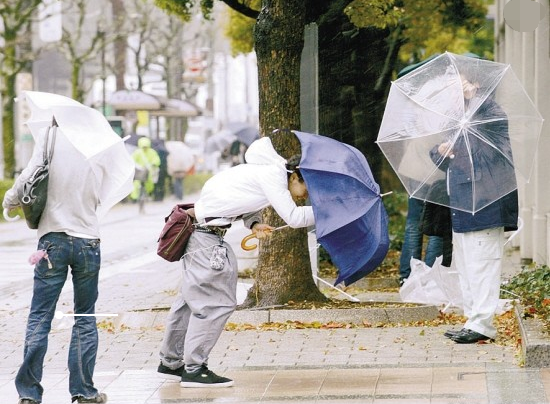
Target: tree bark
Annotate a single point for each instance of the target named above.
(77, 92)
(9, 73)
(284, 271)
(8, 125)
(120, 46)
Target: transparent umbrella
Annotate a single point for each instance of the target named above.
(458, 129)
(219, 141)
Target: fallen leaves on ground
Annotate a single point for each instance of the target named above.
(507, 326)
(340, 304)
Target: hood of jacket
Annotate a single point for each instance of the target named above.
(261, 152)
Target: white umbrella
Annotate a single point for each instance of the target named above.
(180, 157)
(91, 134)
(134, 100)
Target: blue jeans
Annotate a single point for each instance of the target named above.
(83, 257)
(412, 244)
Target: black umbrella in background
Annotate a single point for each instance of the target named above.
(244, 132)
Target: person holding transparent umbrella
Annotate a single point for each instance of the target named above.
(474, 165)
(474, 113)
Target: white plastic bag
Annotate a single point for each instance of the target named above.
(437, 285)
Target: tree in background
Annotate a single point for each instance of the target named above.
(284, 271)
(15, 56)
(362, 44)
(119, 46)
(83, 40)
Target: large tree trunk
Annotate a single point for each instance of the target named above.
(284, 271)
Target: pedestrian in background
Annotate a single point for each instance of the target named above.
(208, 294)
(159, 189)
(68, 234)
(148, 161)
(180, 163)
(413, 243)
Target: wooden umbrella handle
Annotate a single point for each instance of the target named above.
(246, 247)
(253, 235)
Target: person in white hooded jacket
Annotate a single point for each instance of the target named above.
(208, 294)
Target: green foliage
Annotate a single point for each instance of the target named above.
(194, 183)
(532, 286)
(425, 27)
(4, 186)
(374, 13)
(396, 207)
(180, 8)
(239, 30)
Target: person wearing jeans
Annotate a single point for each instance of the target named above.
(68, 237)
(413, 241)
(83, 256)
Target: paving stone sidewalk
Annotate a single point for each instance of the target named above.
(357, 365)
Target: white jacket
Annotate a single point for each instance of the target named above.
(250, 187)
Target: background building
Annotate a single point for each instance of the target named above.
(529, 55)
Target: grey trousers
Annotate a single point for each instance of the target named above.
(205, 302)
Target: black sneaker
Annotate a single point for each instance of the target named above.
(27, 401)
(453, 333)
(170, 374)
(204, 378)
(99, 399)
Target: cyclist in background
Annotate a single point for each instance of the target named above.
(146, 158)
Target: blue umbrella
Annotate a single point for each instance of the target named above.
(351, 222)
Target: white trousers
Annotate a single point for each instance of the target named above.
(478, 260)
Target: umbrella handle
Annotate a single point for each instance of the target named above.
(8, 217)
(251, 247)
(246, 247)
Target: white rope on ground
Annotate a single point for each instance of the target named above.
(352, 298)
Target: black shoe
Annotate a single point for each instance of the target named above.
(99, 399)
(469, 337)
(170, 374)
(27, 401)
(453, 333)
(204, 378)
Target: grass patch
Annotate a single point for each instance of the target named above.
(4, 186)
(532, 287)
